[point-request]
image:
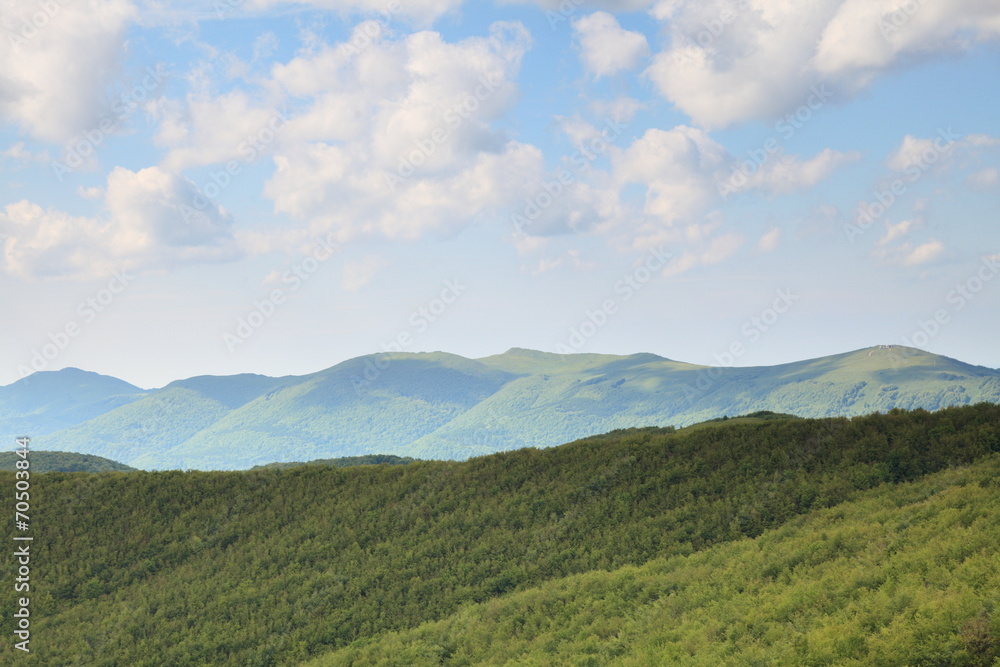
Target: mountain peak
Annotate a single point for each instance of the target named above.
(71, 375)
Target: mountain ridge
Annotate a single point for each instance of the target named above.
(437, 405)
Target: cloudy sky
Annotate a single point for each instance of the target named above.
(265, 186)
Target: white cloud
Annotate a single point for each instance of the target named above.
(676, 167)
(19, 153)
(984, 180)
(421, 11)
(789, 173)
(621, 108)
(682, 264)
(398, 138)
(769, 241)
(89, 193)
(151, 220)
(605, 47)
(56, 62)
(215, 130)
(722, 248)
(917, 152)
(924, 253)
(936, 152)
(729, 62)
(358, 273)
(893, 232)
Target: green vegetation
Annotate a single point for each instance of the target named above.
(905, 575)
(442, 406)
(645, 545)
(63, 462)
(344, 462)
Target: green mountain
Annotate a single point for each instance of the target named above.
(442, 406)
(160, 420)
(870, 540)
(52, 400)
(324, 416)
(62, 462)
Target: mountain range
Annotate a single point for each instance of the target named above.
(444, 406)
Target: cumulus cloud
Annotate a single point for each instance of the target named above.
(675, 166)
(151, 219)
(730, 62)
(685, 173)
(397, 138)
(893, 232)
(924, 253)
(769, 241)
(924, 153)
(605, 47)
(212, 130)
(19, 153)
(421, 11)
(57, 61)
(789, 172)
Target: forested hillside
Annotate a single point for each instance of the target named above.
(904, 575)
(277, 566)
(62, 462)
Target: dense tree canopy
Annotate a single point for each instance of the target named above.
(276, 566)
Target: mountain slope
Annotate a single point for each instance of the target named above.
(904, 575)
(165, 418)
(329, 413)
(51, 400)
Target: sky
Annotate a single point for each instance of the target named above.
(261, 186)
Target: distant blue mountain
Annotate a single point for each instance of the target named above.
(52, 400)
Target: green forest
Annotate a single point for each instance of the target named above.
(759, 541)
(63, 462)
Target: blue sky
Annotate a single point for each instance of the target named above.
(273, 187)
